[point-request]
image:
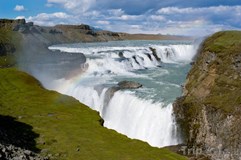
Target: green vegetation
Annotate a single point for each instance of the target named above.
(215, 79)
(9, 41)
(67, 129)
(7, 60)
(4, 36)
(224, 42)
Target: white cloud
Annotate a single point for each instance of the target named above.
(75, 6)
(198, 21)
(130, 17)
(103, 22)
(116, 12)
(49, 5)
(168, 20)
(91, 14)
(135, 27)
(174, 10)
(193, 31)
(207, 10)
(187, 24)
(157, 18)
(19, 8)
(61, 15)
(20, 17)
(51, 19)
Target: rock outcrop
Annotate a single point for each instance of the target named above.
(6, 48)
(9, 23)
(209, 113)
(11, 152)
(123, 85)
(129, 85)
(17, 140)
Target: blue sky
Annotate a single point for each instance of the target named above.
(179, 17)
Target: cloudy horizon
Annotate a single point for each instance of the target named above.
(174, 17)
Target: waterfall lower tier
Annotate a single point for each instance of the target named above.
(127, 114)
(141, 119)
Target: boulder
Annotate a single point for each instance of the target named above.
(121, 85)
(121, 55)
(129, 85)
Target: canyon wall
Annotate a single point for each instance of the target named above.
(209, 111)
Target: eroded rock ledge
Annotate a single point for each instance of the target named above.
(209, 113)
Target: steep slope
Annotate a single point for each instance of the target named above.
(209, 112)
(62, 127)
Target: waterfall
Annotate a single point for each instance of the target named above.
(129, 112)
(141, 119)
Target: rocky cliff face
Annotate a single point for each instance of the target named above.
(209, 113)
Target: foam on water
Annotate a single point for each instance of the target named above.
(176, 53)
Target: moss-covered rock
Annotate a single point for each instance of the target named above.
(210, 109)
(7, 47)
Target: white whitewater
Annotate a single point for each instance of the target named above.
(142, 120)
(144, 114)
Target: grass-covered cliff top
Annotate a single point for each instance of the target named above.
(224, 42)
(215, 78)
(64, 127)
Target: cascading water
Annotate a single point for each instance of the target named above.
(144, 113)
(144, 120)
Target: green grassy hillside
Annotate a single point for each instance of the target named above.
(65, 128)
